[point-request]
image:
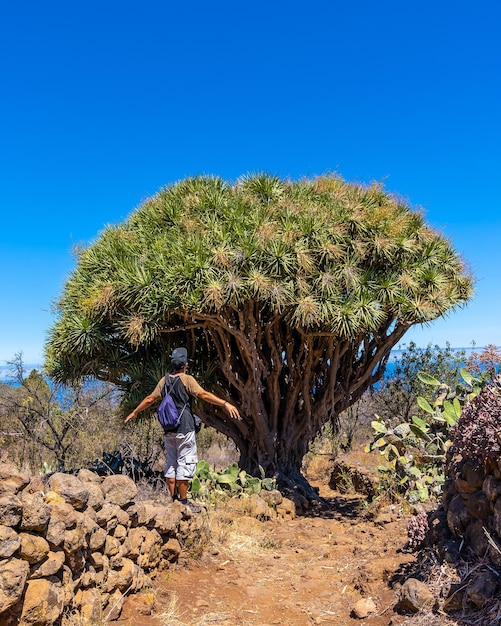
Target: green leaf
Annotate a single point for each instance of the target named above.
(420, 433)
(196, 486)
(415, 472)
(423, 493)
(425, 405)
(450, 413)
(379, 427)
(253, 480)
(232, 470)
(226, 479)
(468, 378)
(392, 452)
(202, 466)
(420, 423)
(268, 484)
(427, 379)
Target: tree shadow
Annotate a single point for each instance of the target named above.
(336, 507)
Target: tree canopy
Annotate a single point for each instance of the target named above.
(288, 294)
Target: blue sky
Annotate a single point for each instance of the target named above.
(104, 103)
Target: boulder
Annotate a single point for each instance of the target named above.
(9, 542)
(34, 548)
(473, 473)
(482, 589)
(50, 566)
(146, 512)
(120, 532)
(55, 532)
(74, 540)
(171, 550)
(476, 536)
(145, 547)
(119, 489)
(96, 497)
(458, 517)
(272, 498)
(111, 546)
(491, 487)
(11, 509)
(97, 539)
(363, 608)
(415, 596)
(36, 513)
(115, 605)
(90, 602)
(167, 522)
(13, 576)
(70, 488)
(123, 577)
(478, 505)
(11, 479)
(151, 550)
(64, 512)
(110, 515)
(86, 476)
(286, 509)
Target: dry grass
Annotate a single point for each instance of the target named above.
(236, 535)
(319, 467)
(174, 616)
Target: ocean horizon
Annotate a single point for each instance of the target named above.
(394, 356)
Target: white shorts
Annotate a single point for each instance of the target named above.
(182, 459)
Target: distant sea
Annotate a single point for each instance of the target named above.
(396, 354)
(5, 371)
(390, 368)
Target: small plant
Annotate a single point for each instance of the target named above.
(48, 468)
(416, 450)
(232, 481)
(477, 432)
(417, 528)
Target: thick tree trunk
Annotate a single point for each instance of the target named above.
(287, 384)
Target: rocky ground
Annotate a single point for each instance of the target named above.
(314, 569)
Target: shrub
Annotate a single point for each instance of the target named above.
(476, 434)
(416, 450)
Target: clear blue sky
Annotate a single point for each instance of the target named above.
(103, 103)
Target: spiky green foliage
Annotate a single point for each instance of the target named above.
(296, 290)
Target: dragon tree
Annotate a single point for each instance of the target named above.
(289, 296)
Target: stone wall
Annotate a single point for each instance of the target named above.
(81, 543)
(472, 502)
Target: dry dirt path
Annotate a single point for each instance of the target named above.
(310, 570)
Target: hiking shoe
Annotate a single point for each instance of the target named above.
(194, 508)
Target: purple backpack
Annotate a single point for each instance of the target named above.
(167, 413)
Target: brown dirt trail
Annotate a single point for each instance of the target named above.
(310, 570)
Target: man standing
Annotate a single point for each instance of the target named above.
(180, 444)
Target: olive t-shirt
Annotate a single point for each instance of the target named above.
(190, 384)
(187, 423)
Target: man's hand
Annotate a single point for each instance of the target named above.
(232, 411)
(131, 416)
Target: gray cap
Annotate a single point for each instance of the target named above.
(179, 356)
